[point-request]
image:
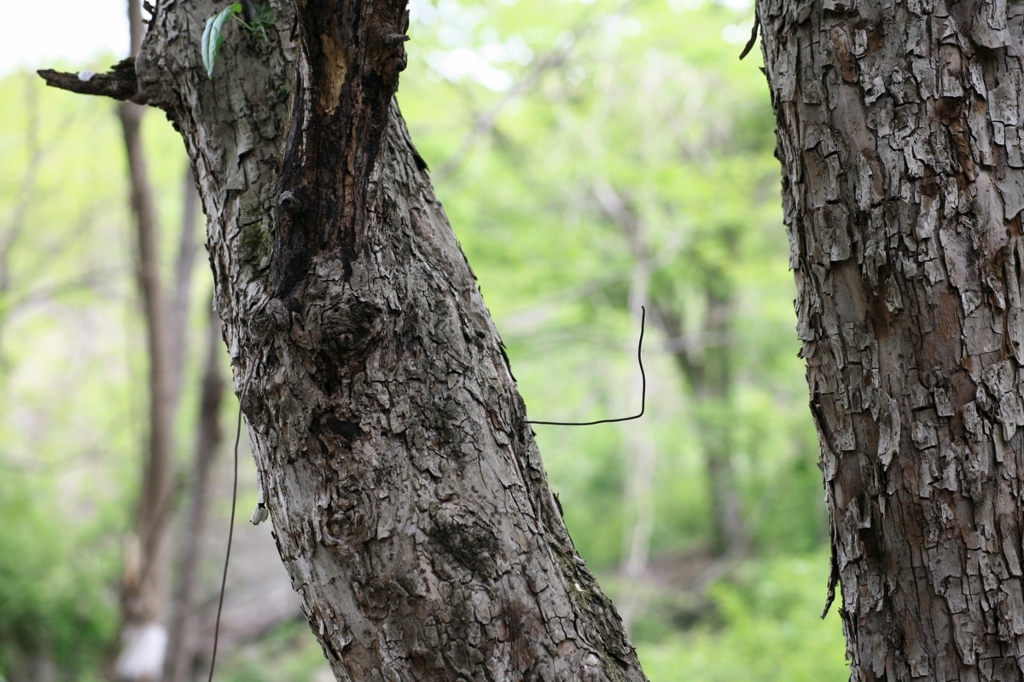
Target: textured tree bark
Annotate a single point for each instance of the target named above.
(408, 498)
(903, 183)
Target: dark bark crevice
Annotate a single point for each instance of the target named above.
(349, 58)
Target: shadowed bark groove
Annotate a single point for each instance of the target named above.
(903, 183)
(408, 498)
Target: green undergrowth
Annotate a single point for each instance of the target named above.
(288, 653)
(763, 626)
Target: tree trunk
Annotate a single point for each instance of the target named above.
(408, 498)
(711, 379)
(903, 182)
(148, 548)
(180, 299)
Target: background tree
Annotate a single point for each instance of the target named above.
(627, 132)
(147, 561)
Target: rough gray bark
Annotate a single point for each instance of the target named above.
(903, 183)
(408, 498)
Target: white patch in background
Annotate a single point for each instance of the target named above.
(736, 34)
(142, 652)
(36, 35)
(462, 62)
(514, 50)
(422, 12)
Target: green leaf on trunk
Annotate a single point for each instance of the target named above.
(213, 38)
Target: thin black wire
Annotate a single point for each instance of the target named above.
(227, 555)
(643, 390)
(231, 529)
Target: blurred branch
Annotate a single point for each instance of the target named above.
(485, 122)
(528, 321)
(694, 343)
(90, 279)
(119, 83)
(17, 221)
(554, 59)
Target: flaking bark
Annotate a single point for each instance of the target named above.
(903, 183)
(408, 498)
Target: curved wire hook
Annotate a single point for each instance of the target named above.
(643, 390)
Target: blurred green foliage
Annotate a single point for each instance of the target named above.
(527, 113)
(62, 440)
(289, 652)
(54, 600)
(767, 630)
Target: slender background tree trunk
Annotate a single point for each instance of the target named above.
(182, 630)
(706, 365)
(902, 187)
(147, 560)
(148, 551)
